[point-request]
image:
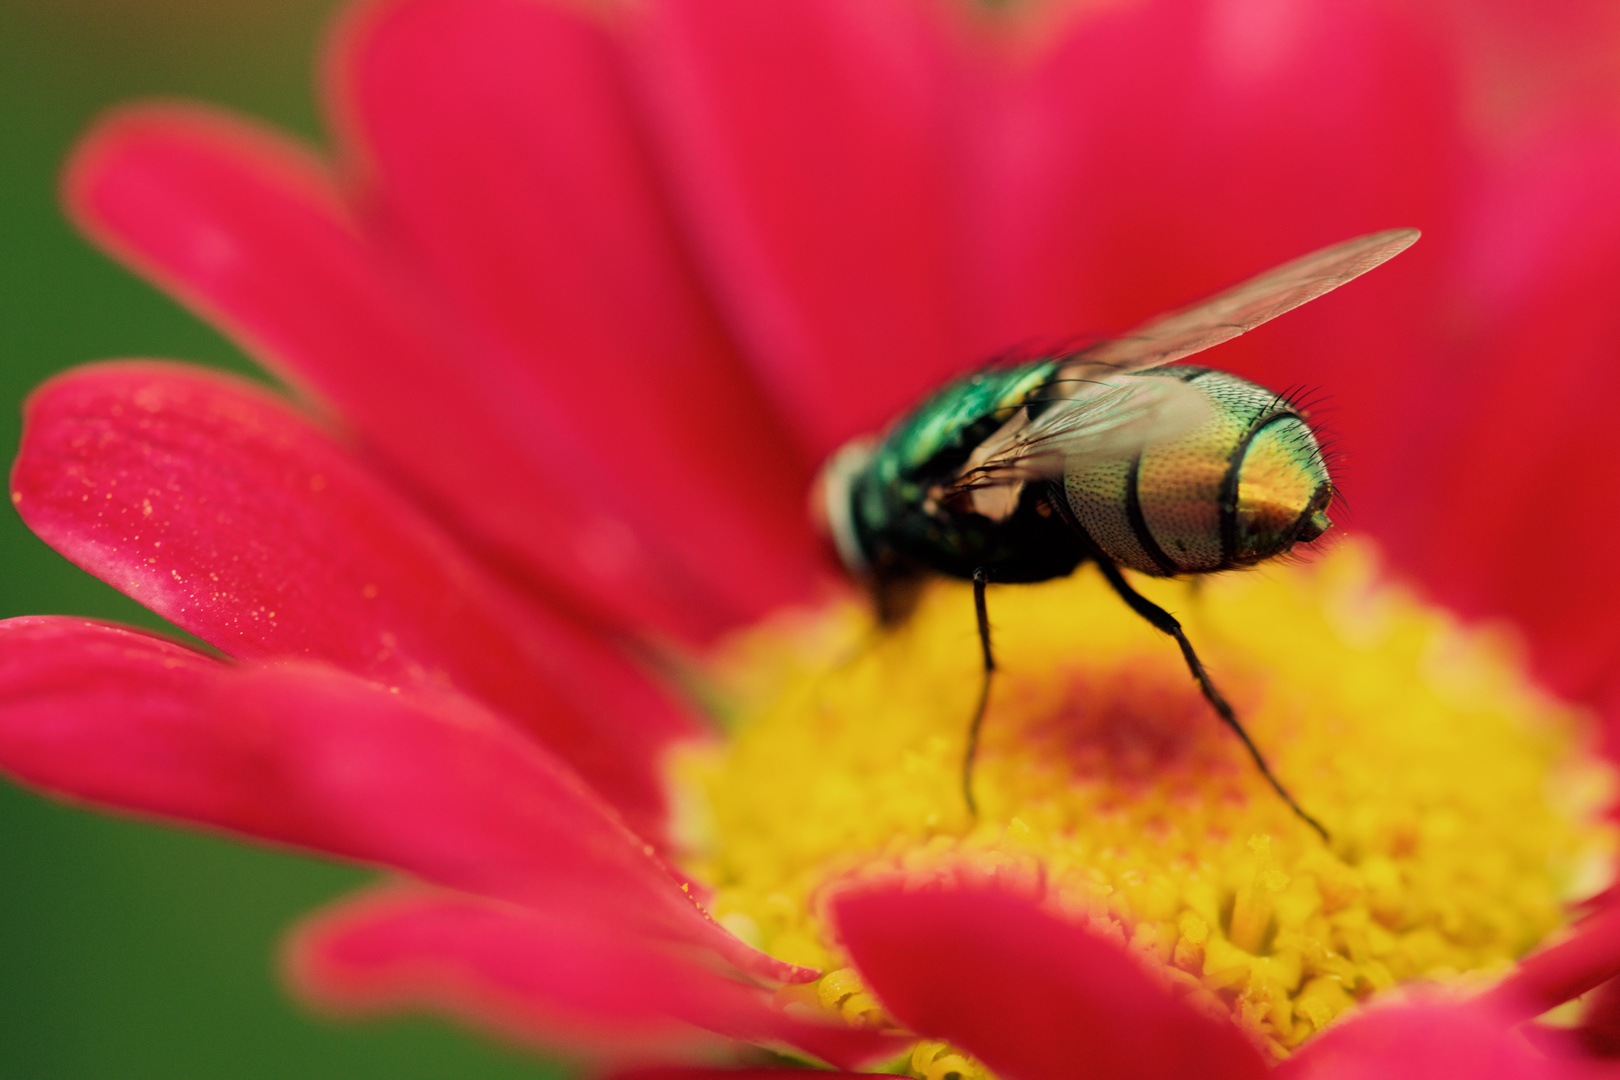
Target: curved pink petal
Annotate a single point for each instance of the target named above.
(1599, 1031)
(221, 509)
(247, 229)
(563, 981)
(115, 716)
(807, 141)
(1562, 972)
(1032, 996)
(503, 166)
(1422, 1042)
(310, 756)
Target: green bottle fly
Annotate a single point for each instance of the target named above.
(1020, 472)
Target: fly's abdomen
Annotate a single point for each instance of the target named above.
(1242, 487)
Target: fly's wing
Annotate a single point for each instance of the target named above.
(1095, 415)
(1100, 418)
(1241, 308)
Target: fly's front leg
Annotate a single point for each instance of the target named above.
(981, 578)
(1167, 623)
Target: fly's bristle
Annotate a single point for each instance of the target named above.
(1304, 399)
(1285, 399)
(1314, 401)
(1330, 453)
(1344, 511)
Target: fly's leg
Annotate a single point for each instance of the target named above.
(981, 578)
(1166, 622)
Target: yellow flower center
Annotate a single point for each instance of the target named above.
(1463, 810)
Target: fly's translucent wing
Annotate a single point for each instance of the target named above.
(1114, 418)
(1108, 418)
(1098, 414)
(1243, 307)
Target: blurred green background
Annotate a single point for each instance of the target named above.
(126, 950)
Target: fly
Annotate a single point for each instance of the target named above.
(1021, 472)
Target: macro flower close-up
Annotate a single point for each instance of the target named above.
(517, 580)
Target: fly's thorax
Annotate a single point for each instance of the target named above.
(874, 498)
(1243, 487)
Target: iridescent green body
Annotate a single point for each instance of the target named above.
(1243, 485)
(897, 526)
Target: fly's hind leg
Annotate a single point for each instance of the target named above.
(1167, 623)
(981, 578)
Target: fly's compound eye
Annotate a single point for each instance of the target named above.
(1283, 492)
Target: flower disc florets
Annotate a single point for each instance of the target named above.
(1461, 808)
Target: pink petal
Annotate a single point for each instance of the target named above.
(503, 166)
(1159, 151)
(111, 716)
(309, 756)
(1560, 973)
(564, 982)
(1032, 996)
(224, 511)
(1599, 1032)
(1155, 152)
(247, 229)
(807, 141)
(1515, 442)
(1420, 1042)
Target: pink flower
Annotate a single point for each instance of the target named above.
(573, 312)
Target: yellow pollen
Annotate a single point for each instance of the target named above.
(1463, 804)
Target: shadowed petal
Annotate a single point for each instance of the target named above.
(314, 757)
(221, 509)
(1421, 1042)
(1560, 973)
(562, 981)
(248, 230)
(807, 143)
(503, 166)
(1030, 995)
(1599, 1033)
